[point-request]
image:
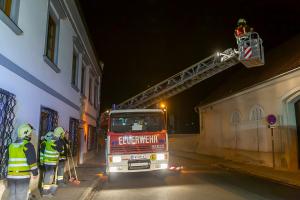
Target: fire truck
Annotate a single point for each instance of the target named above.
(137, 137)
(137, 140)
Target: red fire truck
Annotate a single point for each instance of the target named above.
(137, 140)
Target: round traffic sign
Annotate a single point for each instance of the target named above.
(271, 119)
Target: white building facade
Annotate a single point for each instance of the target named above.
(236, 127)
(49, 73)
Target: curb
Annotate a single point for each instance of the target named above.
(274, 179)
(89, 190)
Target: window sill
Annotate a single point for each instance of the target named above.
(75, 87)
(10, 23)
(51, 64)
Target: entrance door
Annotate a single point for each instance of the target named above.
(48, 121)
(297, 113)
(74, 136)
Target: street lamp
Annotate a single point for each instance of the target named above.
(163, 106)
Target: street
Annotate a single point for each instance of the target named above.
(198, 180)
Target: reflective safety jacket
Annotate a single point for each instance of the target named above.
(63, 155)
(22, 160)
(42, 151)
(51, 155)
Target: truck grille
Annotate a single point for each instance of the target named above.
(131, 149)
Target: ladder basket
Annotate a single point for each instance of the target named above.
(251, 50)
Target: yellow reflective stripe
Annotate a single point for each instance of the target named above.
(51, 152)
(17, 159)
(50, 163)
(18, 177)
(52, 156)
(46, 187)
(18, 165)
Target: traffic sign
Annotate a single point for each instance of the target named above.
(271, 119)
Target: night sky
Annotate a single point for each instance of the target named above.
(143, 42)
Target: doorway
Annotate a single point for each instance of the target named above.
(297, 115)
(48, 121)
(74, 137)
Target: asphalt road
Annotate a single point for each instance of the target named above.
(197, 181)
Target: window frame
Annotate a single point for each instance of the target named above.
(76, 54)
(90, 89)
(83, 79)
(52, 14)
(11, 20)
(95, 95)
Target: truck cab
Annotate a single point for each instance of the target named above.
(137, 141)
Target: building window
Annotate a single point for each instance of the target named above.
(82, 87)
(51, 39)
(7, 118)
(90, 91)
(96, 96)
(256, 113)
(9, 14)
(10, 9)
(5, 6)
(235, 118)
(75, 64)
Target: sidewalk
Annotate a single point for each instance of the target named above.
(280, 176)
(89, 175)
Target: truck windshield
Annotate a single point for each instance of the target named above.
(136, 122)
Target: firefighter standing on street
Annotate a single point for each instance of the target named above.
(53, 148)
(21, 163)
(63, 155)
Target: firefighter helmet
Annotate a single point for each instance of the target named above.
(241, 21)
(24, 130)
(49, 135)
(59, 132)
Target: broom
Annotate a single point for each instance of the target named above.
(76, 181)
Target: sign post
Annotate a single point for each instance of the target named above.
(271, 119)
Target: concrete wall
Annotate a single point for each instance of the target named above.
(235, 128)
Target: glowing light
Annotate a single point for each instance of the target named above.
(164, 166)
(160, 156)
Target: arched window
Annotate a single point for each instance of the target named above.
(235, 118)
(256, 113)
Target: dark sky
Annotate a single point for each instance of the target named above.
(143, 42)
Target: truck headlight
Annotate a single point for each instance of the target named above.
(164, 166)
(116, 159)
(160, 156)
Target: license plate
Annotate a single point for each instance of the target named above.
(139, 164)
(137, 157)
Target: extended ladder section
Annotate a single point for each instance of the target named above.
(183, 80)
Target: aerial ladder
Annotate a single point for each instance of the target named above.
(250, 53)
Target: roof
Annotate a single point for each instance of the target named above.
(135, 111)
(282, 59)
